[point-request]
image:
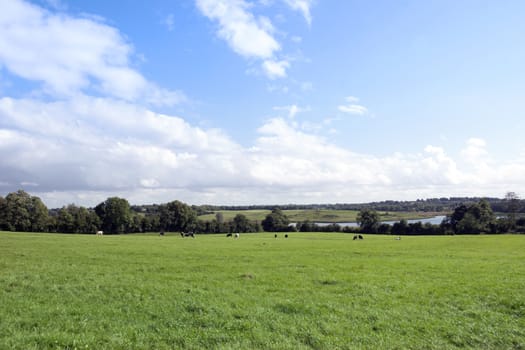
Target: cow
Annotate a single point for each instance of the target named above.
(275, 235)
(355, 237)
(187, 234)
(161, 233)
(236, 235)
(360, 237)
(286, 236)
(100, 233)
(229, 234)
(398, 238)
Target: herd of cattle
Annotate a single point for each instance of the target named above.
(236, 235)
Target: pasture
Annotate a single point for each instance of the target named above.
(309, 291)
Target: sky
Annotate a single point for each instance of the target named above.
(235, 102)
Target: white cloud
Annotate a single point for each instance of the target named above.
(352, 107)
(352, 99)
(475, 150)
(86, 144)
(292, 110)
(169, 22)
(302, 6)
(83, 150)
(275, 69)
(246, 34)
(69, 55)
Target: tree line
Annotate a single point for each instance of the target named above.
(437, 205)
(19, 211)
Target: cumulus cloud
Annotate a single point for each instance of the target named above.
(82, 150)
(83, 146)
(246, 34)
(275, 69)
(69, 55)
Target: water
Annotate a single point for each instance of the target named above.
(435, 220)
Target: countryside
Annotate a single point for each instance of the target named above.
(262, 175)
(283, 289)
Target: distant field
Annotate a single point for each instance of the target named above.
(310, 291)
(316, 215)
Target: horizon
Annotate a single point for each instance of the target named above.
(249, 102)
(451, 198)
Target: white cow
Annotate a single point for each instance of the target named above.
(236, 235)
(100, 233)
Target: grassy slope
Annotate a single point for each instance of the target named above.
(321, 291)
(317, 215)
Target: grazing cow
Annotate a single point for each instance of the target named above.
(360, 237)
(355, 237)
(100, 233)
(229, 234)
(236, 235)
(187, 234)
(286, 236)
(161, 233)
(275, 235)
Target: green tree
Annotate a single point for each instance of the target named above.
(368, 220)
(65, 222)
(177, 216)
(400, 228)
(219, 217)
(473, 218)
(23, 212)
(241, 223)
(512, 202)
(275, 221)
(3, 208)
(115, 215)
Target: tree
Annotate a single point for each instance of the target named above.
(115, 215)
(3, 208)
(22, 212)
(474, 218)
(219, 217)
(512, 206)
(400, 228)
(241, 224)
(275, 221)
(65, 222)
(177, 216)
(368, 220)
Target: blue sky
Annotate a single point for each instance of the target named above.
(269, 101)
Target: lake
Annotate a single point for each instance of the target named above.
(435, 220)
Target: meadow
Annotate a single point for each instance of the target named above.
(320, 215)
(309, 291)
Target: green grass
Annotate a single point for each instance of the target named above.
(310, 291)
(322, 215)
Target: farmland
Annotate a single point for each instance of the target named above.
(310, 291)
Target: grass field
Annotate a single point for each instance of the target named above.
(323, 215)
(310, 291)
